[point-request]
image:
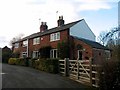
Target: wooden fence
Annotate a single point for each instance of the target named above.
(82, 71)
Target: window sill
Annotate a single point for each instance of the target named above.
(54, 40)
(36, 44)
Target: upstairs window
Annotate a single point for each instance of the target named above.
(55, 36)
(25, 43)
(36, 41)
(107, 54)
(16, 45)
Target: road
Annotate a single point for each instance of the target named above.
(25, 77)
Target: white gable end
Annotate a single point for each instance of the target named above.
(82, 30)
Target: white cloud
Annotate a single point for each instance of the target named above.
(22, 16)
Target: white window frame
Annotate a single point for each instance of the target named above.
(36, 41)
(55, 36)
(52, 53)
(24, 54)
(16, 45)
(108, 54)
(58, 35)
(35, 54)
(25, 43)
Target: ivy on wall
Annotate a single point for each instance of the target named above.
(63, 49)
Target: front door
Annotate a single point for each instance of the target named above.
(79, 55)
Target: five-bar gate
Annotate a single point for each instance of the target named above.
(82, 71)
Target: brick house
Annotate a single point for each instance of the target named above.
(77, 32)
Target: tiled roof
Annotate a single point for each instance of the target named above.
(52, 30)
(93, 44)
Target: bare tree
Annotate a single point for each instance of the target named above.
(101, 38)
(106, 37)
(16, 38)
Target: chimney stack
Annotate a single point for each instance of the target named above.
(60, 21)
(43, 26)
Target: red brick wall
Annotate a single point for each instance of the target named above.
(98, 56)
(44, 41)
(74, 50)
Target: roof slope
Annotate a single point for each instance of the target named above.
(52, 30)
(92, 43)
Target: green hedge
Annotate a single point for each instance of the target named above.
(12, 61)
(47, 65)
(32, 62)
(22, 61)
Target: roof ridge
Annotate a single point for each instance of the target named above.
(93, 44)
(51, 30)
(67, 24)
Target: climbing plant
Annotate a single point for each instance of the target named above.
(63, 49)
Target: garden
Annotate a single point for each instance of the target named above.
(47, 65)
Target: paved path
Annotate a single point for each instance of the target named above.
(25, 77)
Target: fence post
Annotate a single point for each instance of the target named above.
(66, 66)
(90, 62)
(77, 69)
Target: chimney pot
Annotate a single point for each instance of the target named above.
(60, 21)
(43, 26)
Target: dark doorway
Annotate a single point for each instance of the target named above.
(79, 55)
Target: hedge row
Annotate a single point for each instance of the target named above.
(47, 65)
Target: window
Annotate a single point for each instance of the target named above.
(36, 40)
(54, 53)
(35, 54)
(107, 53)
(25, 43)
(55, 36)
(24, 54)
(58, 36)
(16, 45)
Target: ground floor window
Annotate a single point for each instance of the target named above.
(54, 53)
(79, 54)
(35, 54)
(24, 54)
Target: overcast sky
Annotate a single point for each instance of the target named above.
(22, 16)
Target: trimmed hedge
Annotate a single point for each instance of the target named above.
(22, 61)
(12, 61)
(48, 65)
(32, 62)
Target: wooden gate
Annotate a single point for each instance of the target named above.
(80, 70)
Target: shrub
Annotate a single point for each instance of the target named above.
(16, 55)
(63, 50)
(110, 79)
(6, 54)
(47, 65)
(32, 62)
(36, 63)
(18, 61)
(22, 61)
(12, 61)
(54, 65)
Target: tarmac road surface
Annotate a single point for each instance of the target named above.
(14, 76)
